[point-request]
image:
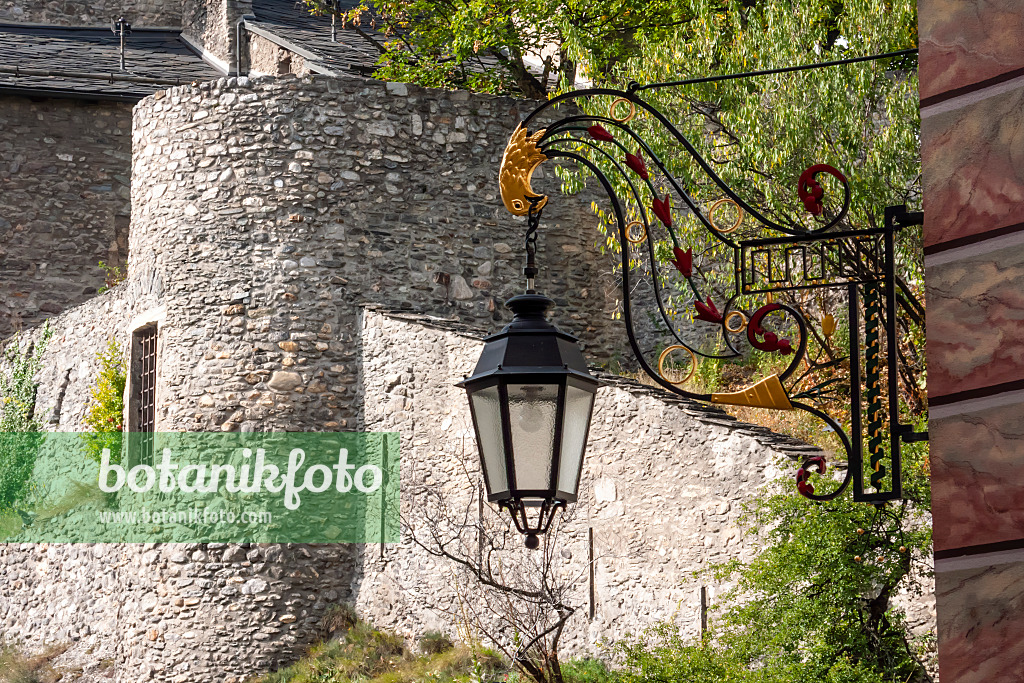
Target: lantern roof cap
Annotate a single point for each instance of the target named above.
(530, 344)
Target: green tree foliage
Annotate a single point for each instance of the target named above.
(760, 133)
(486, 45)
(20, 424)
(104, 418)
(816, 604)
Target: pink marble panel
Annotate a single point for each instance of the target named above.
(976, 321)
(981, 624)
(973, 160)
(978, 477)
(968, 41)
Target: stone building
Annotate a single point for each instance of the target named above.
(311, 250)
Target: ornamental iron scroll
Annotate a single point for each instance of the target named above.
(768, 263)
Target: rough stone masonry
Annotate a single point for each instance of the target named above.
(270, 217)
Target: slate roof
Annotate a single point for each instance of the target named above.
(59, 61)
(156, 59)
(289, 24)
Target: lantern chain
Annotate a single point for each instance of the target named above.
(531, 270)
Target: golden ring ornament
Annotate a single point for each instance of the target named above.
(629, 234)
(733, 316)
(629, 117)
(521, 158)
(711, 216)
(664, 355)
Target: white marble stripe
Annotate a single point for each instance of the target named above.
(975, 405)
(985, 246)
(955, 564)
(970, 98)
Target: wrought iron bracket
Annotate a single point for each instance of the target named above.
(824, 253)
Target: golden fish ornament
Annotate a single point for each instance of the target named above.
(521, 158)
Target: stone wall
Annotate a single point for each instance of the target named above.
(171, 612)
(212, 26)
(662, 488)
(140, 13)
(64, 203)
(270, 59)
(661, 492)
(269, 217)
(264, 216)
(270, 209)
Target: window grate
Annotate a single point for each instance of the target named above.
(146, 340)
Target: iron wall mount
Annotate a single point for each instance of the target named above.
(859, 264)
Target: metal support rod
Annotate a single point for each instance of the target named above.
(121, 28)
(531, 270)
(892, 214)
(856, 459)
(590, 564)
(703, 610)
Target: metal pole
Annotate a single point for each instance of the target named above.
(703, 610)
(590, 564)
(121, 28)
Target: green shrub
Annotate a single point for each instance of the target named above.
(113, 275)
(435, 642)
(587, 670)
(365, 654)
(104, 418)
(20, 426)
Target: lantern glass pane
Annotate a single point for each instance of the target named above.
(532, 409)
(578, 405)
(487, 415)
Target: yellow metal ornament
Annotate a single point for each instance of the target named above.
(628, 117)
(629, 232)
(828, 325)
(737, 328)
(665, 354)
(768, 393)
(711, 216)
(521, 158)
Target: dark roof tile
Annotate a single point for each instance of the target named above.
(71, 53)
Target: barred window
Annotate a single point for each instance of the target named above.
(144, 389)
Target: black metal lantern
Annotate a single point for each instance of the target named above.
(531, 398)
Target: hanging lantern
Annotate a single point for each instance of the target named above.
(531, 399)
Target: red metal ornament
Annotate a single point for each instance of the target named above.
(802, 475)
(636, 163)
(810, 191)
(708, 312)
(683, 261)
(771, 341)
(598, 132)
(663, 210)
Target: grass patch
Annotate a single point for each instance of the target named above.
(353, 651)
(16, 667)
(587, 671)
(368, 655)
